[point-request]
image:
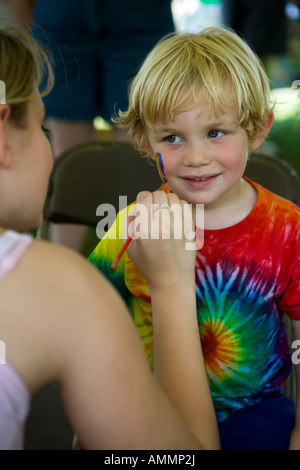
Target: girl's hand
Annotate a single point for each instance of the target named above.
(163, 245)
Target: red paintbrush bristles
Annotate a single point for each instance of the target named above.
(124, 248)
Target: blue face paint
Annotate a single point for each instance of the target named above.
(160, 167)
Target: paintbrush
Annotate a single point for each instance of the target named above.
(161, 171)
(124, 248)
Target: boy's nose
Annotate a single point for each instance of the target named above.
(197, 155)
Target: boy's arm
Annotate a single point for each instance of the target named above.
(295, 436)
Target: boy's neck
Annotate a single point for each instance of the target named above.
(232, 209)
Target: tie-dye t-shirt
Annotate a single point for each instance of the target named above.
(247, 277)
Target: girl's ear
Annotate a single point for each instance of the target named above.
(4, 155)
(259, 140)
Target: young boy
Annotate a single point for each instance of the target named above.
(202, 101)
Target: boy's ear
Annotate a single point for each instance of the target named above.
(4, 155)
(268, 124)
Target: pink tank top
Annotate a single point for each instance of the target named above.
(14, 395)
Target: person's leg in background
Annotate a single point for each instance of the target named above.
(62, 26)
(7, 16)
(263, 24)
(97, 47)
(264, 426)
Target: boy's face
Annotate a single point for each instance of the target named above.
(204, 155)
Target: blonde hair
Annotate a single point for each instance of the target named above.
(24, 67)
(181, 66)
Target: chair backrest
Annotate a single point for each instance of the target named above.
(274, 174)
(94, 173)
(280, 178)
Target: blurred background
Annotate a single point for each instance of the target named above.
(273, 29)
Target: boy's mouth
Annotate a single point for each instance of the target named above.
(198, 182)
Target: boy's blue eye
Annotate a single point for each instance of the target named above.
(214, 134)
(173, 139)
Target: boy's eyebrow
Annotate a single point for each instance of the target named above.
(230, 122)
(208, 125)
(164, 129)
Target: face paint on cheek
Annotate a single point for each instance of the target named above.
(160, 167)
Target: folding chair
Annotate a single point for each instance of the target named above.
(279, 177)
(91, 174)
(94, 173)
(274, 174)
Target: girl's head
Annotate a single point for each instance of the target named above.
(24, 68)
(214, 67)
(25, 153)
